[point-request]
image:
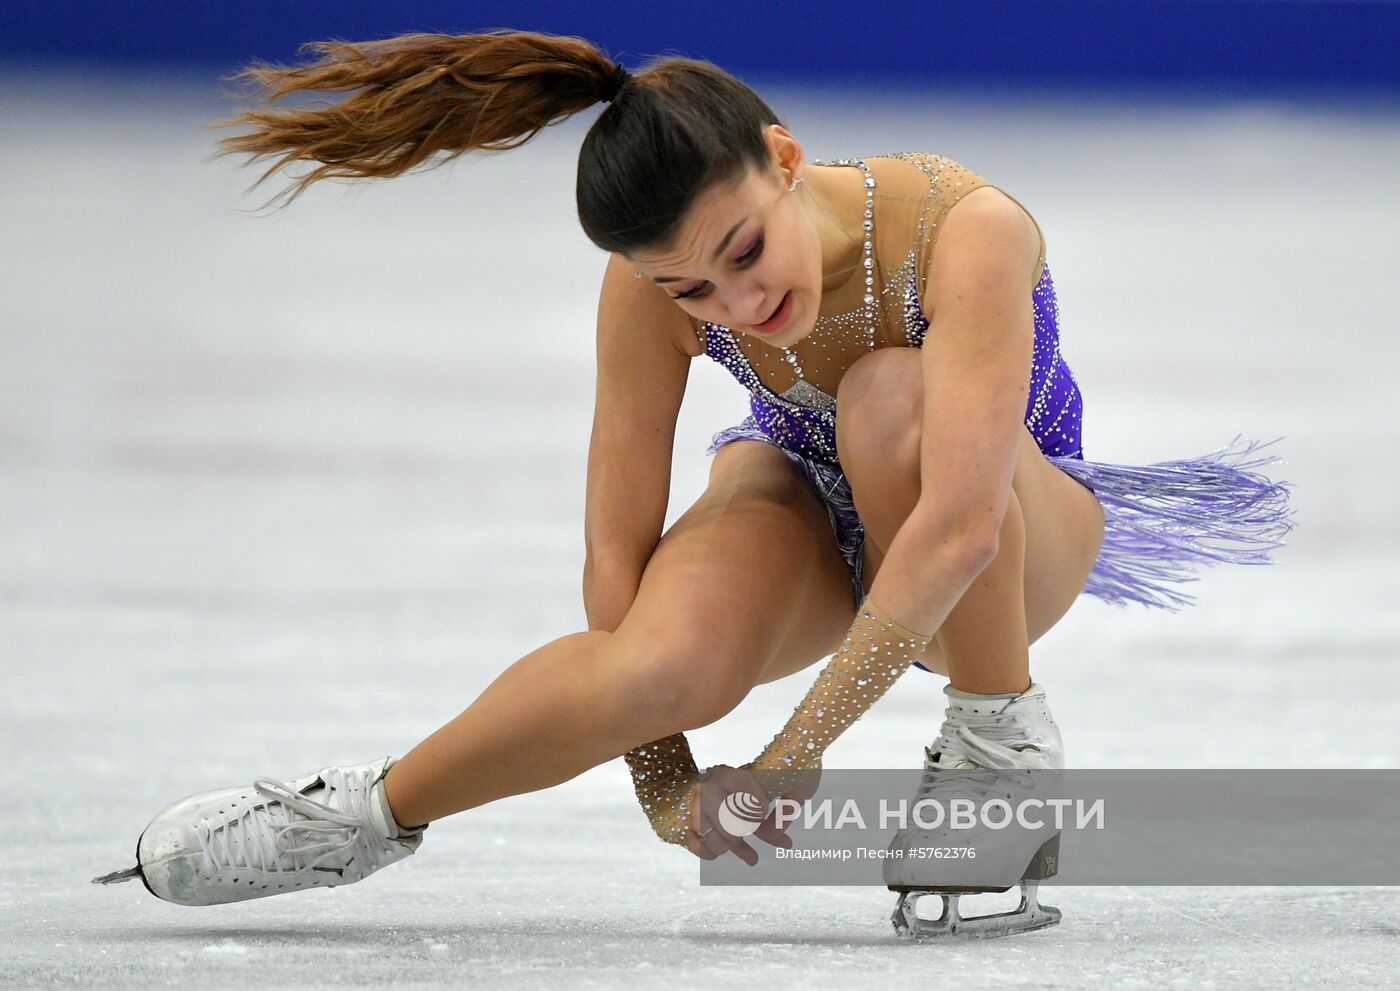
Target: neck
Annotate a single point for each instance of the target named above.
(835, 201)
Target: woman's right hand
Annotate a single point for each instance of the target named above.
(707, 838)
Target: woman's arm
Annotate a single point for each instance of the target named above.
(976, 374)
(641, 378)
(976, 362)
(642, 372)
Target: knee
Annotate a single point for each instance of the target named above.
(878, 408)
(680, 694)
(681, 680)
(934, 659)
(884, 386)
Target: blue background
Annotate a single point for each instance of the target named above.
(1184, 45)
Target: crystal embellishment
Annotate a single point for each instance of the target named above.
(804, 393)
(868, 261)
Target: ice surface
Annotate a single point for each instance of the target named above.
(282, 492)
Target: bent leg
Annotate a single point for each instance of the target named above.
(984, 644)
(1048, 542)
(750, 575)
(746, 586)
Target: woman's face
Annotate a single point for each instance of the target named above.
(747, 257)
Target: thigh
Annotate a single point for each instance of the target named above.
(748, 584)
(879, 424)
(1064, 527)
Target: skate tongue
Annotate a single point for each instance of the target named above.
(973, 736)
(977, 704)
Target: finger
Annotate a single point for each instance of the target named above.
(751, 784)
(769, 832)
(745, 853)
(714, 792)
(709, 839)
(716, 839)
(708, 808)
(704, 810)
(728, 843)
(697, 846)
(722, 842)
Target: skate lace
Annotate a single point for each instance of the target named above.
(257, 841)
(975, 746)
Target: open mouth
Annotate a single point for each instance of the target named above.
(779, 316)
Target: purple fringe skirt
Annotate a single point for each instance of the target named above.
(1161, 521)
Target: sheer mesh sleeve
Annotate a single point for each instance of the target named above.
(876, 652)
(663, 773)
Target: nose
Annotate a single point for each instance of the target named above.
(751, 303)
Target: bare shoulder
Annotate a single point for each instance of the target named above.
(987, 240)
(642, 310)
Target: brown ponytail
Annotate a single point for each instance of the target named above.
(423, 99)
(413, 97)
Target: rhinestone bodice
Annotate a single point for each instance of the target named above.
(800, 413)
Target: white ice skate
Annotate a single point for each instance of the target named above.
(324, 828)
(987, 748)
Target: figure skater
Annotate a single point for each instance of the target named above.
(909, 488)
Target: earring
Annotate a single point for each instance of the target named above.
(793, 185)
(636, 275)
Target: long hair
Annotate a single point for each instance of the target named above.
(415, 101)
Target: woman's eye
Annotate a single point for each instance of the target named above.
(743, 259)
(753, 252)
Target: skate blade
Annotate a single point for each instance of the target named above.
(117, 877)
(1028, 916)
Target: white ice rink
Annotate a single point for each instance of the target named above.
(282, 492)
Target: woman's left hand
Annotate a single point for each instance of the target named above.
(707, 838)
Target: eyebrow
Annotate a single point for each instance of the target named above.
(718, 251)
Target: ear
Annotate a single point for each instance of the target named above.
(785, 152)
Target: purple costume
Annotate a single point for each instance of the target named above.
(1161, 520)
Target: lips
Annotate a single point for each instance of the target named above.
(779, 316)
